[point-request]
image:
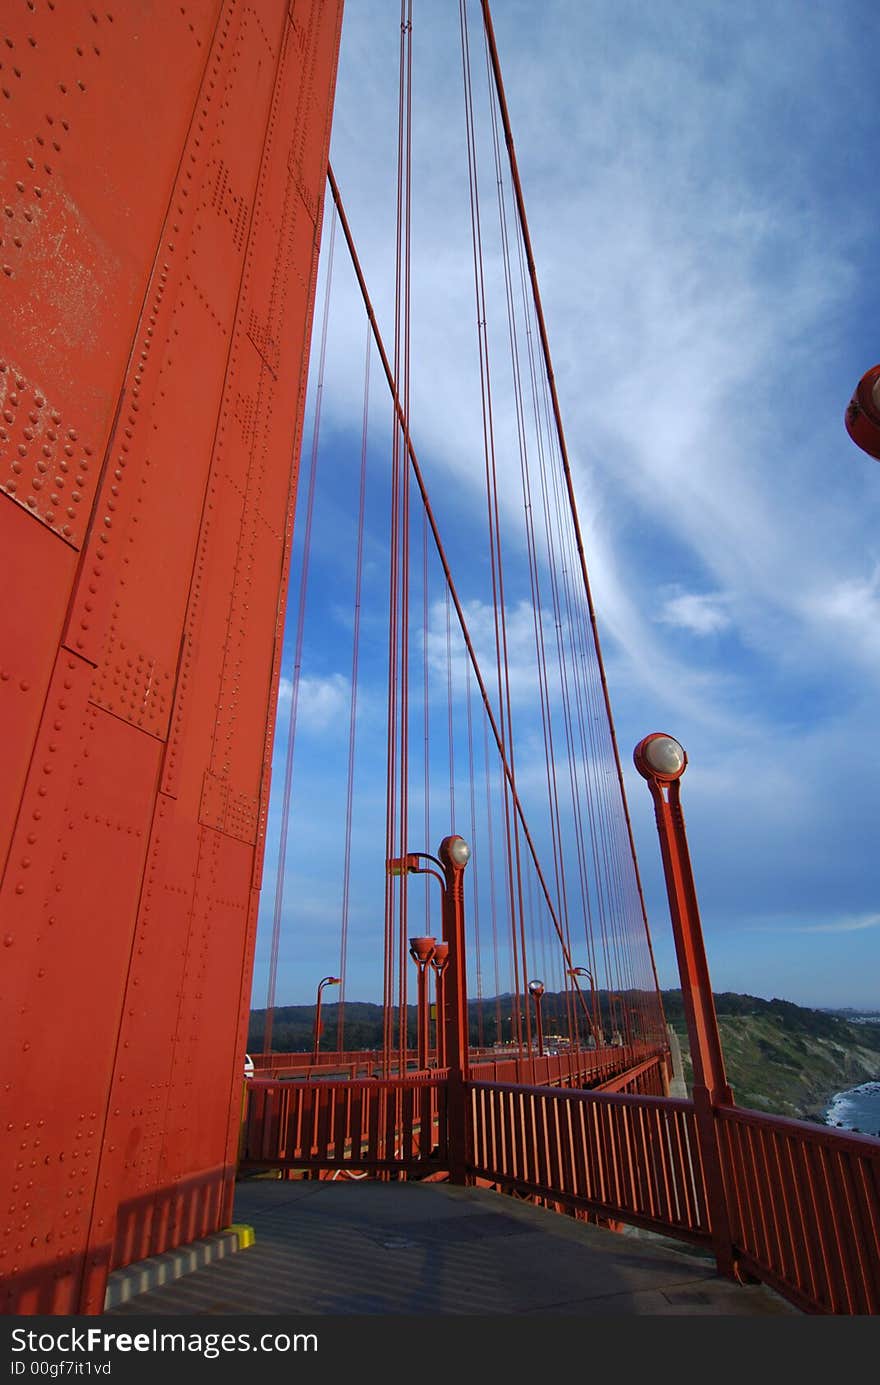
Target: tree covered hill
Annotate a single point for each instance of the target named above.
(489, 1022)
(782, 1058)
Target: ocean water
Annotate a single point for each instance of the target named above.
(856, 1109)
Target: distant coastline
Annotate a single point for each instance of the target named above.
(857, 1109)
(791, 1061)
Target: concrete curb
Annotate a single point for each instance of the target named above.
(125, 1283)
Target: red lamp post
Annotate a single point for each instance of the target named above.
(862, 416)
(536, 991)
(453, 855)
(326, 981)
(422, 950)
(439, 963)
(662, 761)
(592, 1021)
(614, 1016)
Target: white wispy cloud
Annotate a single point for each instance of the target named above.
(699, 613)
(675, 281)
(322, 702)
(849, 925)
(852, 607)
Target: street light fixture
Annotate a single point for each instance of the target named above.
(536, 991)
(661, 760)
(316, 1040)
(617, 1025)
(862, 416)
(452, 856)
(660, 757)
(439, 963)
(592, 1021)
(422, 950)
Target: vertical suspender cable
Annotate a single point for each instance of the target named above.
(450, 730)
(398, 588)
(475, 876)
(557, 413)
(505, 768)
(352, 721)
(517, 913)
(297, 662)
(531, 544)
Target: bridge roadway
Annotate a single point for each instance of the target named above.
(390, 1248)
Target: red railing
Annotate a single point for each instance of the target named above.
(355, 1063)
(801, 1203)
(624, 1157)
(570, 1068)
(804, 1209)
(578, 1068)
(369, 1125)
(645, 1079)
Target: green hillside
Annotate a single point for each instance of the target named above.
(782, 1058)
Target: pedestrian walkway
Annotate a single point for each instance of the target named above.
(367, 1247)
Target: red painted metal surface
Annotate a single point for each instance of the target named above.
(579, 1068)
(710, 1086)
(455, 1017)
(862, 416)
(633, 1158)
(804, 1207)
(647, 1078)
(696, 986)
(584, 1068)
(375, 1125)
(157, 301)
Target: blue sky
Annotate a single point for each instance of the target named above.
(700, 182)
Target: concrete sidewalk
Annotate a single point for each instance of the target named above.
(365, 1247)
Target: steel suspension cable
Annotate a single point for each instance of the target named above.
(402, 337)
(493, 898)
(396, 779)
(515, 884)
(450, 730)
(557, 413)
(297, 662)
(504, 765)
(475, 877)
(541, 420)
(531, 546)
(352, 721)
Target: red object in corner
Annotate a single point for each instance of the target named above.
(863, 414)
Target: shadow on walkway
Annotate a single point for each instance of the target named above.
(366, 1247)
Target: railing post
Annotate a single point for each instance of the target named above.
(662, 761)
(454, 854)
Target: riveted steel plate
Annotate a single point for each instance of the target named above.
(82, 207)
(47, 467)
(68, 906)
(140, 268)
(36, 573)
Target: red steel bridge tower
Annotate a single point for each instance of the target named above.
(163, 184)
